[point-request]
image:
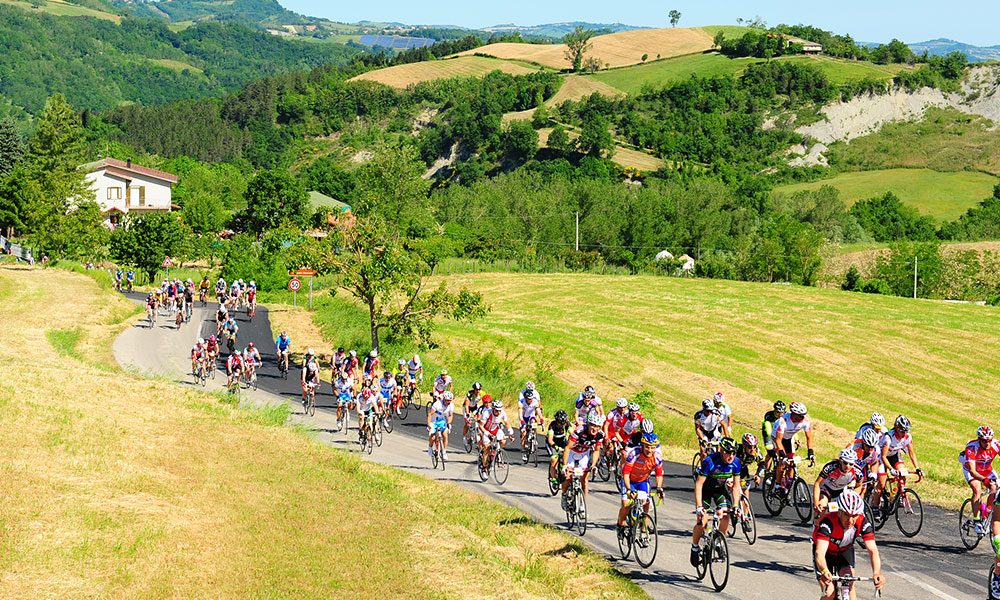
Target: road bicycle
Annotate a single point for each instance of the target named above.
(530, 453)
(555, 484)
(639, 537)
(793, 491)
(576, 502)
(843, 592)
(386, 418)
(151, 316)
(437, 451)
(492, 459)
(309, 402)
(369, 433)
(608, 465)
(203, 298)
(713, 554)
(230, 342)
(967, 525)
(188, 311)
(283, 364)
(201, 373)
(901, 502)
(234, 385)
(343, 400)
(706, 446)
(250, 377)
(251, 311)
(413, 395)
(179, 318)
(743, 520)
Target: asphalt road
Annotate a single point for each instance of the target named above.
(931, 565)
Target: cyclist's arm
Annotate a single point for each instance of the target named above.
(737, 491)
(551, 438)
(876, 562)
(697, 431)
(816, 489)
(698, 485)
(565, 458)
(809, 440)
(821, 547)
(725, 427)
(885, 458)
(913, 456)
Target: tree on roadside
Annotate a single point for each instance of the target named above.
(675, 17)
(11, 146)
(718, 39)
(19, 195)
(374, 267)
(558, 139)
(205, 213)
(274, 197)
(56, 150)
(390, 186)
(577, 43)
(145, 240)
(595, 138)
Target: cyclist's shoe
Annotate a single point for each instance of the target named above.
(876, 513)
(978, 525)
(995, 587)
(694, 556)
(621, 531)
(444, 455)
(524, 457)
(565, 504)
(340, 425)
(430, 452)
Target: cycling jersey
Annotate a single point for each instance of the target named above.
(895, 444)
(528, 409)
(338, 360)
(560, 434)
(311, 370)
(442, 412)
(491, 422)
(533, 394)
(249, 354)
(585, 406)
(840, 539)
(581, 441)
(979, 458)
(386, 386)
(710, 423)
(631, 426)
(234, 361)
(866, 426)
(866, 461)
(413, 369)
(442, 383)
(473, 396)
(283, 343)
(786, 428)
(367, 400)
(638, 466)
(371, 364)
(748, 459)
(616, 418)
(835, 479)
(198, 351)
(724, 411)
(344, 386)
(717, 471)
(212, 346)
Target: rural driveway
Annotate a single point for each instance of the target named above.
(931, 565)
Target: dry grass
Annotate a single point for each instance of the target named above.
(617, 49)
(116, 486)
(402, 76)
(625, 157)
(835, 267)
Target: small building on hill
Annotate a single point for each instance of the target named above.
(807, 46)
(121, 188)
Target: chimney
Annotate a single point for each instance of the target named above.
(128, 163)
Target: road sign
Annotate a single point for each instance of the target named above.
(303, 273)
(294, 285)
(167, 262)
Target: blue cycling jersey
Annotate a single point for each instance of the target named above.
(715, 468)
(282, 344)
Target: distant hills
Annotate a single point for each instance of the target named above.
(558, 30)
(943, 46)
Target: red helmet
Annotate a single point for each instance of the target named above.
(985, 433)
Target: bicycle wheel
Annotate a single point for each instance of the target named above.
(441, 460)
(369, 439)
(748, 523)
(802, 499)
(878, 522)
(701, 569)
(434, 458)
(645, 541)
(468, 442)
(387, 421)
(909, 513)
(553, 485)
(484, 472)
(347, 420)
(772, 502)
(581, 513)
(377, 431)
(966, 528)
(500, 468)
(603, 468)
(533, 444)
(718, 562)
(618, 478)
(625, 538)
(571, 507)
(311, 406)
(253, 382)
(695, 465)
(989, 584)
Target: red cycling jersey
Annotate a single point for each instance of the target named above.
(841, 540)
(638, 466)
(982, 458)
(616, 418)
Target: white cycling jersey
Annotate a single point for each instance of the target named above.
(441, 411)
(528, 409)
(412, 368)
(786, 428)
(344, 386)
(441, 383)
(493, 422)
(710, 423)
(386, 386)
(895, 444)
(724, 411)
(366, 401)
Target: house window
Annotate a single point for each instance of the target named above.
(142, 195)
(114, 193)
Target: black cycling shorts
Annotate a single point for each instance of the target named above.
(719, 494)
(836, 562)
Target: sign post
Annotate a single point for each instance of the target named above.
(167, 264)
(310, 273)
(294, 285)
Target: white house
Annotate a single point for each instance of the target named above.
(122, 187)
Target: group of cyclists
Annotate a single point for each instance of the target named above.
(239, 294)
(175, 296)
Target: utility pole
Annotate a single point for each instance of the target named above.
(914, 277)
(578, 231)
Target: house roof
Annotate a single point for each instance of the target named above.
(128, 166)
(317, 199)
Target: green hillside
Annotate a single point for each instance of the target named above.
(944, 196)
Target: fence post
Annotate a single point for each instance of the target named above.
(914, 277)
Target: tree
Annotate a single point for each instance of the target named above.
(577, 43)
(520, 141)
(11, 146)
(390, 185)
(205, 213)
(19, 195)
(540, 118)
(558, 139)
(325, 177)
(675, 16)
(57, 150)
(719, 38)
(374, 268)
(274, 197)
(145, 240)
(595, 139)
(644, 57)
(74, 234)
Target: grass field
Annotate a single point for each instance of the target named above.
(710, 64)
(617, 49)
(944, 196)
(119, 486)
(64, 9)
(401, 76)
(176, 65)
(844, 355)
(625, 157)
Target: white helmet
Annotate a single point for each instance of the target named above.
(310, 352)
(201, 341)
(797, 408)
(530, 386)
(621, 403)
(647, 426)
(448, 396)
(373, 353)
(848, 456)
(416, 358)
(252, 282)
(869, 437)
(851, 503)
(595, 418)
(877, 420)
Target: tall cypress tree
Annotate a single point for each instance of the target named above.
(11, 146)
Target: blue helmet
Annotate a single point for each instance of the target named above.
(650, 439)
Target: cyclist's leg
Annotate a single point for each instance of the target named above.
(726, 502)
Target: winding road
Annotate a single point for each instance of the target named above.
(933, 565)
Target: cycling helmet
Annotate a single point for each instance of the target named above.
(354, 353)
(588, 392)
(621, 403)
(189, 281)
(650, 439)
(848, 456)
(719, 397)
(310, 352)
(985, 432)
(444, 371)
(708, 404)
(877, 421)
(447, 396)
(212, 338)
(851, 503)
(285, 334)
(497, 405)
(250, 345)
(634, 407)
(647, 426)
(400, 362)
(749, 440)
(487, 399)
(373, 353)
(477, 386)
(223, 309)
(902, 423)
(562, 417)
(779, 407)
(386, 375)
(595, 418)
(252, 282)
(341, 349)
(201, 341)
(797, 408)
(416, 359)
(727, 445)
(869, 437)
(530, 386)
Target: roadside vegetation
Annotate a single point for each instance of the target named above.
(147, 489)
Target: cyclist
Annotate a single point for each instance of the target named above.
(339, 358)
(583, 450)
(221, 316)
(839, 474)
(784, 431)
(231, 328)
(171, 295)
(252, 299)
(151, 307)
(439, 422)
(189, 293)
(529, 409)
(767, 432)
(867, 452)
(212, 349)
(310, 372)
(251, 357)
(587, 401)
(876, 423)
(197, 355)
(442, 384)
(283, 348)
(749, 454)
(400, 376)
(387, 388)
(833, 545)
(556, 439)
(234, 368)
(369, 403)
(639, 464)
(118, 280)
(724, 410)
(415, 369)
(130, 279)
(892, 445)
(614, 420)
(719, 482)
(492, 423)
(204, 286)
(470, 407)
(709, 426)
(351, 364)
(372, 364)
(977, 466)
(343, 387)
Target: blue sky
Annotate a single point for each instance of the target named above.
(870, 20)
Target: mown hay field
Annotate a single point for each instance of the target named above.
(401, 76)
(119, 486)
